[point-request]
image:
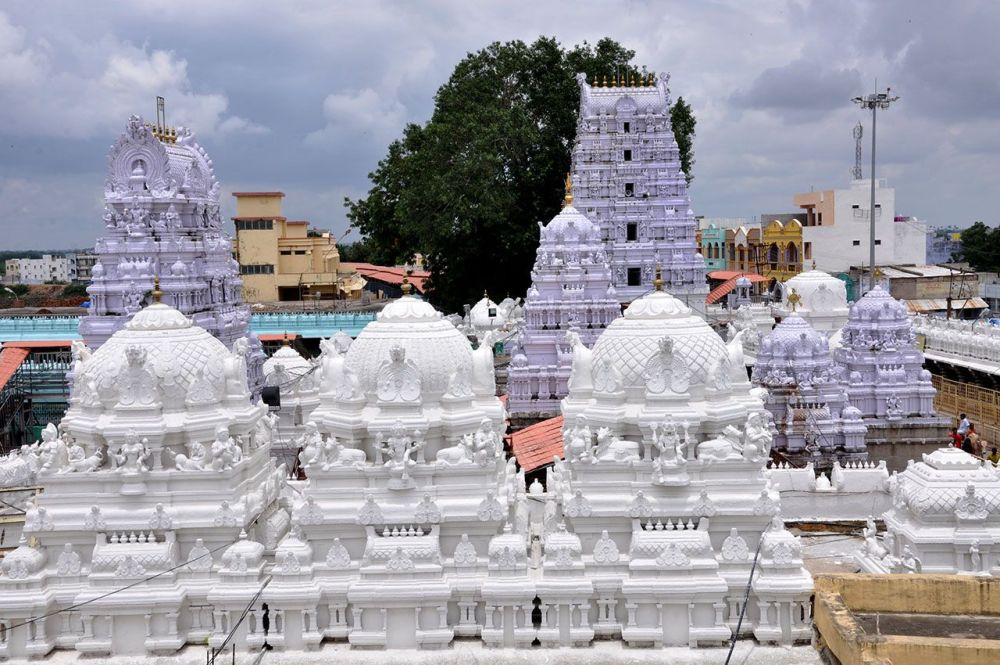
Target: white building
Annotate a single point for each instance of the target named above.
(49, 268)
(836, 226)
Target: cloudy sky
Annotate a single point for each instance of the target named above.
(304, 96)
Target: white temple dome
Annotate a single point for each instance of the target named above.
(486, 315)
(938, 484)
(158, 317)
(570, 225)
(793, 333)
(290, 359)
(433, 344)
(171, 346)
(879, 304)
(813, 281)
(630, 341)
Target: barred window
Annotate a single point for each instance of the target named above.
(254, 224)
(257, 269)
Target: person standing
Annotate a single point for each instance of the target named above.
(994, 456)
(973, 436)
(956, 438)
(963, 425)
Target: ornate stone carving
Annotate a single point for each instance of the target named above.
(465, 552)
(69, 563)
(338, 557)
(734, 547)
(606, 550)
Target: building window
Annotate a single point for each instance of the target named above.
(628, 155)
(257, 269)
(856, 243)
(627, 128)
(878, 242)
(629, 189)
(286, 252)
(819, 218)
(254, 224)
(300, 252)
(634, 276)
(631, 232)
(808, 250)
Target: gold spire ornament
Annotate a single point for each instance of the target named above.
(794, 298)
(157, 293)
(814, 264)
(568, 196)
(658, 282)
(406, 287)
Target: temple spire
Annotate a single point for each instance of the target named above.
(157, 293)
(568, 197)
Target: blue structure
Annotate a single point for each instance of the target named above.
(713, 248)
(304, 324)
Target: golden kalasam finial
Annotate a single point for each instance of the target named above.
(568, 196)
(406, 287)
(652, 79)
(285, 341)
(157, 293)
(814, 264)
(658, 282)
(794, 298)
(878, 273)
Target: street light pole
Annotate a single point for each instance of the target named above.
(875, 101)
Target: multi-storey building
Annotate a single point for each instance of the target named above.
(784, 249)
(744, 249)
(281, 259)
(712, 240)
(836, 222)
(48, 268)
(628, 179)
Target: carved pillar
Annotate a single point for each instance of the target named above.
(442, 616)
(631, 607)
(764, 606)
(383, 613)
(279, 622)
(356, 612)
(720, 609)
(88, 627)
(490, 609)
(110, 620)
(526, 616)
(149, 625)
(585, 615)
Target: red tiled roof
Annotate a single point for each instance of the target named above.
(729, 274)
(722, 289)
(11, 358)
(536, 445)
(39, 344)
(277, 337)
(389, 274)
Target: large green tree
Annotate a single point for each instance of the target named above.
(981, 247)
(682, 121)
(468, 188)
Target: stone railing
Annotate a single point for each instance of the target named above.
(973, 340)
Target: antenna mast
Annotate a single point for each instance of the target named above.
(856, 171)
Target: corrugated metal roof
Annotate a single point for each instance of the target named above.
(919, 305)
(536, 445)
(11, 358)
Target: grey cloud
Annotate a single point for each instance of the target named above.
(801, 90)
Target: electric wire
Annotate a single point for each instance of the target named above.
(746, 599)
(246, 610)
(102, 596)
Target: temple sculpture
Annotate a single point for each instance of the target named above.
(570, 302)
(885, 377)
(628, 179)
(162, 219)
(159, 494)
(807, 397)
(663, 498)
(945, 518)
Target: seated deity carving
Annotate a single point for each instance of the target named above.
(133, 455)
(225, 452)
(578, 441)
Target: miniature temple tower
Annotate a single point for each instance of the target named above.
(162, 218)
(570, 302)
(628, 179)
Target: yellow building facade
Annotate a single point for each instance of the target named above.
(784, 251)
(281, 259)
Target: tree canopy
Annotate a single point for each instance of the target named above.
(468, 188)
(981, 247)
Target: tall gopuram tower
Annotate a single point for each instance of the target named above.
(570, 302)
(628, 179)
(162, 219)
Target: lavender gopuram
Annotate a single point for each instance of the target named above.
(570, 302)
(628, 178)
(162, 219)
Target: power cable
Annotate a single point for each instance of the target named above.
(246, 610)
(746, 598)
(75, 606)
